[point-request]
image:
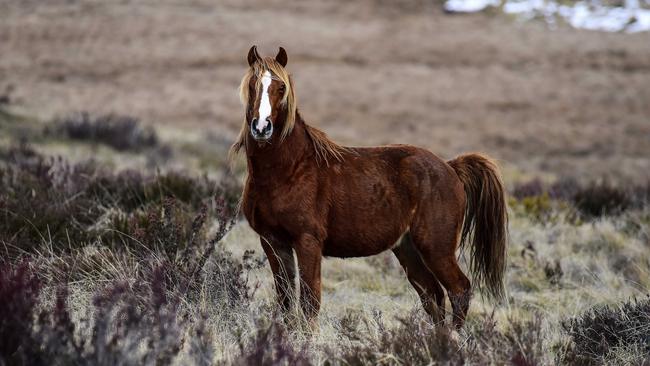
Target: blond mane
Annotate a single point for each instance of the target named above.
(323, 146)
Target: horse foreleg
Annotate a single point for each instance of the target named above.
(284, 272)
(309, 254)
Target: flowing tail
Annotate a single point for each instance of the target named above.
(486, 217)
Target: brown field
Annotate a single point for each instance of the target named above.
(552, 102)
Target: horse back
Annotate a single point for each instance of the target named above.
(376, 192)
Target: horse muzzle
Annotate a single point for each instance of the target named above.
(261, 131)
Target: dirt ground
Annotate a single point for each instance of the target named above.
(553, 102)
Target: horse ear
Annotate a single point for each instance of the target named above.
(253, 56)
(281, 57)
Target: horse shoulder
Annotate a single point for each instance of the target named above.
(301, 206)
(257, 206)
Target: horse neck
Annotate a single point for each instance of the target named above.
(280, 158)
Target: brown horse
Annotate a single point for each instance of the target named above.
(306, 194)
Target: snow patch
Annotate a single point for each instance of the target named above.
(591, 15)
(468, 6)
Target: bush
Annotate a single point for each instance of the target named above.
(539, 202)
(599, 199)
(268, 347)
(125, 317)
(19, 291)
(119, 132)
(43, 200)
(143, 311)
(564, 189)
(539, 208)
(592, 200)
(601, 330)
(417, 341)
(641, 195)
(195, 259)
(48, 200)
(531, 188)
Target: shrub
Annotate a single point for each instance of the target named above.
(196, 260)
(539, 208)
(641, 195)
(130, 190)
(146, 313)
(592, 200)
(531, 188)
(19, 291)
(598, 199)
(553, 272)
(417, 341)
(119, 132)
(42, 200)
(124, 318)
(168, 229)
(140, 322)
(228, 282)
(564, 189)
(534, 200)
(268, 347)
(599, 331)
(50, 200)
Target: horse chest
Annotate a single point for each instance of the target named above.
(269, 211)
(259, 214)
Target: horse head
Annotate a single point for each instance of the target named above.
(267, 94)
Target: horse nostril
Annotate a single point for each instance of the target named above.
(254, 125)
(261, 130)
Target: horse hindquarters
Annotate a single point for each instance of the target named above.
(479, 210)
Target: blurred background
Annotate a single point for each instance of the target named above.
(518, 80)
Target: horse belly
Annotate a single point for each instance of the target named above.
(360, 230)
(372, 203)
(356, 247)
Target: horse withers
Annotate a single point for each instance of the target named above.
(306, 194)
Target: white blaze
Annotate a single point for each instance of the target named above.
(265, 104)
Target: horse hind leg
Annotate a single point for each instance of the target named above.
(437, 247)
(425, 283)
